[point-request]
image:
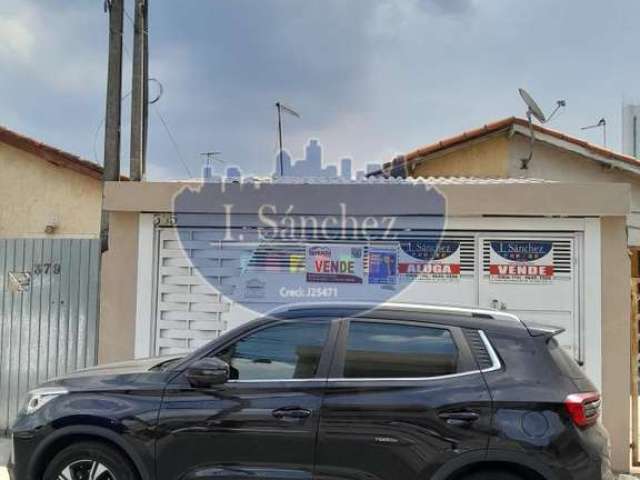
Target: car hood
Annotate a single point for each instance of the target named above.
(122, 368)
(133, 374)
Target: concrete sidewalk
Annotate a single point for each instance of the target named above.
(5, 449)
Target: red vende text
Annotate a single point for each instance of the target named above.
(521, 270)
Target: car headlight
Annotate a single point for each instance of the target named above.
(38, 398)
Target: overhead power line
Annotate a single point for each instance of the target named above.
(172, 139)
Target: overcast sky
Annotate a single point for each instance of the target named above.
(371, 78)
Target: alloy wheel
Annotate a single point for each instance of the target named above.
(86, 470)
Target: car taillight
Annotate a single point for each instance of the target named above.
(584, 408)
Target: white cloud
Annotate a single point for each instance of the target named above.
(54, 46)
(17, 40)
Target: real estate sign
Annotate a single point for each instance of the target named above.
(521, 261)
(429, 260)
(335, 263)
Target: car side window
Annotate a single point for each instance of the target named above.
(395, 350)
(285, 351)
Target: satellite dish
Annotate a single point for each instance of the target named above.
(534, 109)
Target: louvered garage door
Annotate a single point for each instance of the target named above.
(534, 278)
(194, 273)
(206, 284)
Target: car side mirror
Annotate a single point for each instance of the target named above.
(208, 372)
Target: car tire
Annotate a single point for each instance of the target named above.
(90, 461)
(492, 475)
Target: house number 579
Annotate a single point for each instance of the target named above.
(46, 268)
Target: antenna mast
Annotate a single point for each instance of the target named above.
(281, 107)
(602, 123)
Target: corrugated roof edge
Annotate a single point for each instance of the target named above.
(377, 180)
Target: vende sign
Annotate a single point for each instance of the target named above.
(334, 264)
(522, 270)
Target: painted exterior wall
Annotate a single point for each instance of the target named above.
(34, 192)
(500, 156)
(118, 289)
(552, 163)
(487, 158)
(616, 345)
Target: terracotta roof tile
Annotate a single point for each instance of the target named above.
(51, 154)
(497, 126)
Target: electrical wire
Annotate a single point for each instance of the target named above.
(95, 135)
(132, 21)
(172, 139)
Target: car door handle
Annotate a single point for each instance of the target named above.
(291, 412)
(464, 417)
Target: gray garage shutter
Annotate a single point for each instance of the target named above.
(48, 313)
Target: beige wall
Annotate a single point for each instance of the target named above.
(118, 289)
(553, 163)
(616, 351)
(487, 158)
(500, 156)
(33, 192)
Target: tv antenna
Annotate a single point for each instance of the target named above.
(281, 107)
(207, 168)
(602, 123)
(212, 157)
(534, 111)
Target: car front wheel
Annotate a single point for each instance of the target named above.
(492, 475)
(89, 461)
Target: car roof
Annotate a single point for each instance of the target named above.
(466, 317)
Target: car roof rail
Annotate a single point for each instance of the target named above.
(470, 311)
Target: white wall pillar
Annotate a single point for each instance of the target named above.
(592, 301)
(144, 325)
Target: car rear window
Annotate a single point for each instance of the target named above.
(379, 350)
(564, 361)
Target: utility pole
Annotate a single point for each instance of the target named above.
(111, 171)
(139, 89)
(145, 82)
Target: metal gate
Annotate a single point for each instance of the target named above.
(49, 292)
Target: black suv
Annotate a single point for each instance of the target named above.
(333, 391)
